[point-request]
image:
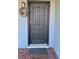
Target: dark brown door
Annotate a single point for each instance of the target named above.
(39, 19)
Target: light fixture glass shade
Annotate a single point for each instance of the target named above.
(23, 10)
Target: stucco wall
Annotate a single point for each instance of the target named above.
(56, 44)
(22, 31)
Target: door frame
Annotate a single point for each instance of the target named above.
(51, 21)
(47, 24)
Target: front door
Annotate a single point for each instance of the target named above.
(38, 22)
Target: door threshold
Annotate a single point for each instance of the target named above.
(38, 46)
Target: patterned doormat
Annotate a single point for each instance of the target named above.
(38, 51)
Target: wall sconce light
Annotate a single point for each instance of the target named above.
(23, 10)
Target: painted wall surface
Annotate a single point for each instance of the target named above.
(51, 23)
(56, 44)
(54, 28)
(22, 32)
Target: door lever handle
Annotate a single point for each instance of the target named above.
(30, 22)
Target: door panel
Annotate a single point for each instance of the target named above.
(39, 19)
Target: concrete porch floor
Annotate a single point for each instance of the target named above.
(23, 53)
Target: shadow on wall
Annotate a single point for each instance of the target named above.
(57, 28)
(22, 29)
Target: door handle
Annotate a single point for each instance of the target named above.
(30, 22)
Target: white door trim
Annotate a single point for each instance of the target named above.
(38, 46)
